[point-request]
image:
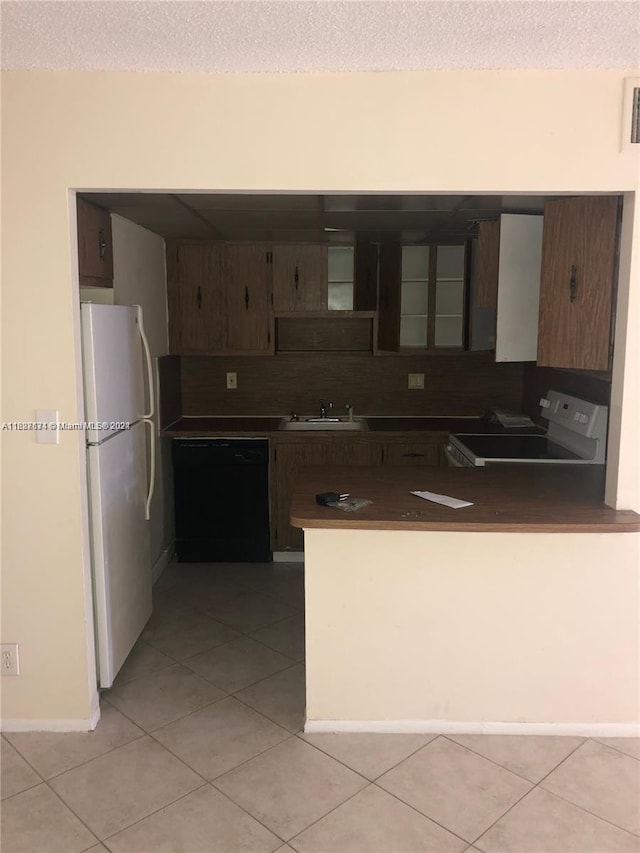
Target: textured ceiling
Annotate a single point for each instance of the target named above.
(265, 36)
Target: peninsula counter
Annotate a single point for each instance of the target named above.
(519, 614)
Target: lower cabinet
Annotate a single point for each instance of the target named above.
(414, 453)
(346, 452)
(286, 460)
(288, 456)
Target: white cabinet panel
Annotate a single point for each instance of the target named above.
(518, 287)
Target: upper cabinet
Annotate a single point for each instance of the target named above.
(577, 282)
(422, 297)
(340, 278)
(196, 299)
(219, 298)
(247, 287)
(365, 275)
(389, 272)
(299, 277)
(533, 288)
(95, 250)
(313, 277)
(487, 264)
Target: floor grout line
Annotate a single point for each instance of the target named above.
(422, 814)
(553, 794)
(388, 770)
(616, 748)
(373, 782)
(154, 812)
(74, 813)
(588, 811)
(289, 841)
(451, 739)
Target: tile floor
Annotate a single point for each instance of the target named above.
(200, 750)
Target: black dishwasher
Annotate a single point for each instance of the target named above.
(221, 490)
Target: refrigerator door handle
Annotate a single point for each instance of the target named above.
(147, 358)
(152, 467)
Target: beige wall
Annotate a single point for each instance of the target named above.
(411, 628)
(140, 278)
(441, 132)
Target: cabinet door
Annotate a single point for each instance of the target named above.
(299, 277)
(246, 277)
(518, 287)
(352, 452)
(287, 461)
(389, 296)
(95, 249)
(365, 296)
(196, 298)
(413, 453)
(576, 286)
(487, 260)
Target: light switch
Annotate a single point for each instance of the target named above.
(46, 426)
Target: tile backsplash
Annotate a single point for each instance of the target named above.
(454, 384)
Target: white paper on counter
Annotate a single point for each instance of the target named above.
(454, 503)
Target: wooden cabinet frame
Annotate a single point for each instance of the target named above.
(390, 300)
(95, 245)
(291, 451)
(577, 283)
(219, 298)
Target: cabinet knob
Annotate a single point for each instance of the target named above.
(296, 278)
(246, 298)
(199, 297)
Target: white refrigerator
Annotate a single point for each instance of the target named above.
(120, 464)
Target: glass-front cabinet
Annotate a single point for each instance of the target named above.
(432, 296)
(449, 311)
(341, 277)
(414, 296)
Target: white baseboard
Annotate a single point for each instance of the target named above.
(470, 728)
(87, 725)
(288, 556)
(162, 562)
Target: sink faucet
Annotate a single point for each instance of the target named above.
(325, 410)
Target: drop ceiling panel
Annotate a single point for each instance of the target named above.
(225, 221)
(400, 203)
(304, 218)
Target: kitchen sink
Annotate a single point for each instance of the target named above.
(324, 424)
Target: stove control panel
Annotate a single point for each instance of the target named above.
(578, 416)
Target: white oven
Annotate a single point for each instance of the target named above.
(577, 435)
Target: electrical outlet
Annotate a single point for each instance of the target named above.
(232, 381)
(415, 381)
(9, 660)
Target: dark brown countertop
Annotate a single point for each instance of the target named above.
(509, 498)
(268, 426)
(214, 426)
